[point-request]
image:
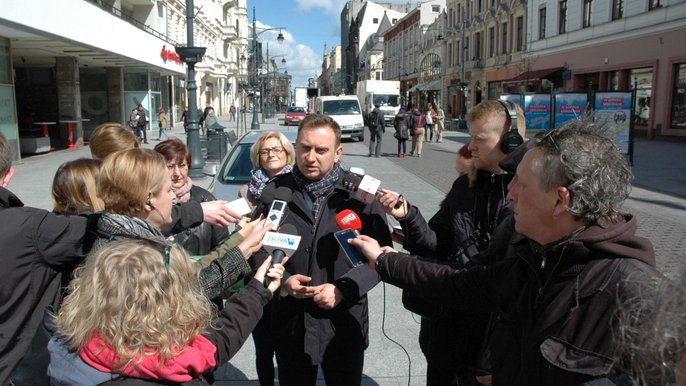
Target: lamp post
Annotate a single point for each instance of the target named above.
(255, 125)
(191, 55)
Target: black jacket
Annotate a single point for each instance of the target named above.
(376, 120)
(320, 257)
(402, 126)
(36, 245)
(201, 239)
(464, 210)
(554, 304)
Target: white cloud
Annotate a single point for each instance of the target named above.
(302, 62)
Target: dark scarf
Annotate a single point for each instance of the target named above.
(318, 190)
(259, 180)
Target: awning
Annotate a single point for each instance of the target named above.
(426, 86)
(534, 75)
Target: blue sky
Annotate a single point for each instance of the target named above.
(309, 24)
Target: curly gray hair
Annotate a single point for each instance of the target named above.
(582, 157)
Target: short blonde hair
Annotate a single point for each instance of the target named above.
(125, 295)
(129, 177)
(497, 115)
(75, 187)
(110, 138)
(285, 143)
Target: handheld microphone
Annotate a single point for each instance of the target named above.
(266, 198)
(280, 244)
(278, 209)
(350, 224)
(362, 188)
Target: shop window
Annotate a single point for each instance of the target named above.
(5, 63)
(642, 80)
(678, 113)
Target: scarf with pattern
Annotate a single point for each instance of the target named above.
(259, 180)
(183, 194)
(318, 190)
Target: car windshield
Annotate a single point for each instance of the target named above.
(238, 167)
(386, 100)
(341, 107)
(296, 110)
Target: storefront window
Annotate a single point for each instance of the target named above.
(5, 64)
(679, 98)
(642, 80)
(8, 115)
(135, 80)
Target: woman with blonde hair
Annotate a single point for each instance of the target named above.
(136, 310)
(272, 154)
(74, 187)
(138, 196)
(109, 138)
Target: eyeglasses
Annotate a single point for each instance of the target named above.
(171, 167)
(276, 150)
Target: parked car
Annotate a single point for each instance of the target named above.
(294, 114)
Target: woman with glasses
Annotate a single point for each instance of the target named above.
(272, 154)
(136, 314)
(138, 195)
(202, 238)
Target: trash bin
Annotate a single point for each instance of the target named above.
(217, 144)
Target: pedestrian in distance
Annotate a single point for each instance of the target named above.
(401, 124)
(37, 248)
(162, 123)
(321, 318)
(377, 127)
(133, 124)
(573, 258)
(440, 122)
(429, 120)
(163, 332)
(232, 113)
(143, 123)
(417, 130)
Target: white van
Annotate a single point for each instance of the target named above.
(346, 111)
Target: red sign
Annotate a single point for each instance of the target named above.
(170, 55)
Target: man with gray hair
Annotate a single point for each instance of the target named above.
(37, 246)
(571, 257)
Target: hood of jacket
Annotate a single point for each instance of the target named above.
(8, 199)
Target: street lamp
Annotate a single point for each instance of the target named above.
(191, 55)
(255, 125)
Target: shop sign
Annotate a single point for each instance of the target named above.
(170, 55)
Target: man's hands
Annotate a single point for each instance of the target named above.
(326, 295)
(370, 248)
(217, 213)
(389, 200)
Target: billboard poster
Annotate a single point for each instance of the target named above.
(537, 113)
(569, 106)
(614, 109)
(512, 98)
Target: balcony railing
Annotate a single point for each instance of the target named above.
(131, 20)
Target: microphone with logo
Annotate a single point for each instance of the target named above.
(280, 244)
(350, 224)
(277, 211)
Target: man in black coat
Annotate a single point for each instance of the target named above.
(321, 317)
(573, 257)
(37, 246)
(376, 129)
(143, 122)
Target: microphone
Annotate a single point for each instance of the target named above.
(280, 244)
(267, 196)
(278, 209)
(362, 188)
(350, 224)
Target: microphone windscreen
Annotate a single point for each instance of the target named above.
(347, 219)
(283, 193)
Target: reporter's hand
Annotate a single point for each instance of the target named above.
(245, 227)
(388, 200)
(274, 273)
(217, 213)
(368, 246)
(253, 241)
(295, 287)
